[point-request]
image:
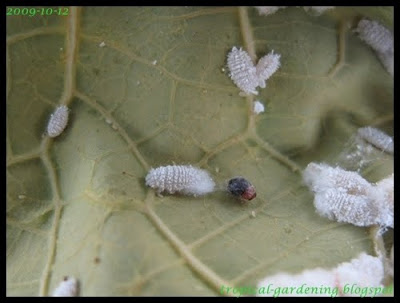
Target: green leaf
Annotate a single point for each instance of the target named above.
(77, 205)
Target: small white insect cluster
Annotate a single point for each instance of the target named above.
(67, 288)
(58, 121)
(365, 271)
(345, 196)
(380, 39)
(248, 77)
(184, 179)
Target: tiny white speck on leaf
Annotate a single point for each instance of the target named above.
(58, 121)
(253, 214)
(67, 288)
(21, 197)
(184, 179)
(154, 62)
(364, 271)
(108, 121)
(380, 39)
(258, 107)
(102, 44)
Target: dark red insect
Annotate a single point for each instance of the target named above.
(242, 188)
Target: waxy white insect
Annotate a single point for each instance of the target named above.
(267, 10)
(322, 177)
(58, 121)
(266, 67)
(377, 138)
(365, 271)
(242, 71)
(184, 179)
(314, 10)
(317, 10)
(245, 75)
(343, 207)
(258, 107)
(380, 39)
(345, 196)
(67, 288)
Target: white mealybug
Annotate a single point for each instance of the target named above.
(317, 10)
(67, 288)
(377, 138)
(258, 107)
(364, 271)
(267, 10)
(358, 210)
(58, 121)
(266, 67)
(184, 179)
(380, 39)
(345, 196)
(242, 71)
